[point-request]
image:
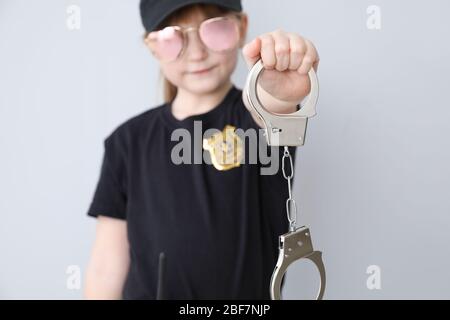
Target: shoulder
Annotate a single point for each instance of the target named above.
(130, 130)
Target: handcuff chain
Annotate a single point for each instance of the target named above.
(290, 202)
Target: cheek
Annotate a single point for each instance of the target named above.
(226, 61)
(171, 72)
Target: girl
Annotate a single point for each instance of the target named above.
(217, 224)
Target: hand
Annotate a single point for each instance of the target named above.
(287, 59)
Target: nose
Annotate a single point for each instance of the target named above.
(196, 49)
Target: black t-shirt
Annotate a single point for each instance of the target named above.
(217, 228)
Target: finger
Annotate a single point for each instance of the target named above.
(298, 50)
(282, 49)
(315, 54)
(252, 52)
(308, 59)
(268, 51)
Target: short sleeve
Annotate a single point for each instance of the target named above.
(110, 197)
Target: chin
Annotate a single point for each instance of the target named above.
(203, 85)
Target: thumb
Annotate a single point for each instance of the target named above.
(251, 52)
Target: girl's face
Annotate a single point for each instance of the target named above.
(184, 71)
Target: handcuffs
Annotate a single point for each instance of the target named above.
(288, 130)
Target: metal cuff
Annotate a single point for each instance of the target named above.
(294, 246)
(282, 129)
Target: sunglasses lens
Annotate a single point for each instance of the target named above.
(219, 35)
(168, 43)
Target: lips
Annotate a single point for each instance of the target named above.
(201, 71)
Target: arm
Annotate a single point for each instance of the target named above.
(109, 263)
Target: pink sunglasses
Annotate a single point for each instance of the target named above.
(219, 34)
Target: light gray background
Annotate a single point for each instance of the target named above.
(372, 181)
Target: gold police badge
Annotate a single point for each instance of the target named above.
(225, 148)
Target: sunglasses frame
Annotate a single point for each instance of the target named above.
(184, 30)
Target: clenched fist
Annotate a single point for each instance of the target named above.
(287, 58)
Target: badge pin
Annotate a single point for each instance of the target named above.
(225, 148)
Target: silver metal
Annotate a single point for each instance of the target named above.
(294, 246)
(282, 129)
(184, 30)
(287, 154)
(291, 215)
(288, 130)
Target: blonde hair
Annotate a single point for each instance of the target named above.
(181, 15)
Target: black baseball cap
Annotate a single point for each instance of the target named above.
(153, 12)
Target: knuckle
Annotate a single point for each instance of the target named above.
(278, 31)
(282, 50)
(297, 50)
(265, 37)
(308, 60)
